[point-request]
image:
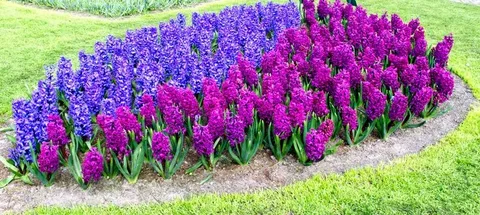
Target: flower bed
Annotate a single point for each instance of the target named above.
(227, 86)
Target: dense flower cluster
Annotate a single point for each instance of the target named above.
(92, 166)
(341, 73)
(48, 161)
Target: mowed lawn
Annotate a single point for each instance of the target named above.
(443, 179)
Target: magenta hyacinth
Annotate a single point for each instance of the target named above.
(315, 142)
(444, 84)
(320, 107)
(174, 120)
(442, 50)
(148, 109)
(129, 122)
(56, 131)
(115, 136)
(246, 106)
(188, 103)
(420, 100)
(376, 104)
(235, 130)
(216, 123)
(327, 128)
(341, 91)
(92, 166)
(202, 140)
(281, 122)
(297, 113)
(399, 107)
(349, 117)
(48, 161)
(161, 147)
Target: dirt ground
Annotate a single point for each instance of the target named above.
(263, 173)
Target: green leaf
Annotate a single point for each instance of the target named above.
(11, 138)
(194, 167)
(415, 125)
(7, 180)
(208, 178)
(10, 166)
(352, 2)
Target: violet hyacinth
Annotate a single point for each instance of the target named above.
(92, 166)
(129, 122)
(296, 113)
(376, 104)
(108, 106)
(148, 109)
(247, 70)
(202, 140)
(216, 123)
(56, 131)
(349, 117)
(281, 122)
(320, 107)
(80, 115)
(399, 107)
(315, 142)
(115, 135)
(442, 50)
(390, 78)
(188, 103)
(24, 135)
(327, 128)
(444, 84)
(174, 120)
(341, 91)
(161, 147)
(48, 161)
(235, 130)
(420, 100)
(246, 106)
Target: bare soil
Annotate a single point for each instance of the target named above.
(264, 172)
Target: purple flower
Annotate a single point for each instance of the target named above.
(420, 100)
(341, 91)
(148, 109)
(174, 120)
(247, 70)
(202, 140)
(235, 129)
(320, 107)
(321, 78)
(92, 166)
(108, 107)
(342, 55)
(349, 117)
(22, 112)
(444, 82)
(297, 113)
(442, 50)
(246, 106)
(322, 9)
(129, 122)
(80, 115)
(399, 107)
(48, 161)
(188, 103)
(230, 92)
(408, 75)
(281, 122)
(376, 104)
(315, 142)
(56, 130)
(390, 78)
(115, 136)
(216, 123)
(161, 147)
(420, 42)
(327, 128)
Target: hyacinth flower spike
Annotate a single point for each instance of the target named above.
(45, 164)
(392, 119)
(166, 154)
(242, 151)
(88, 171)
(279, 133)
(209, 150)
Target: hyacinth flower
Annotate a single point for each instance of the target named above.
(45, 164)
(392, 119)
(244, 139)
(88, 171)
(208, 150)
(310, 144)
(279, 133)
(166, 154)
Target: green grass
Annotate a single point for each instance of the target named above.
(443, 179)
(111, 8)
